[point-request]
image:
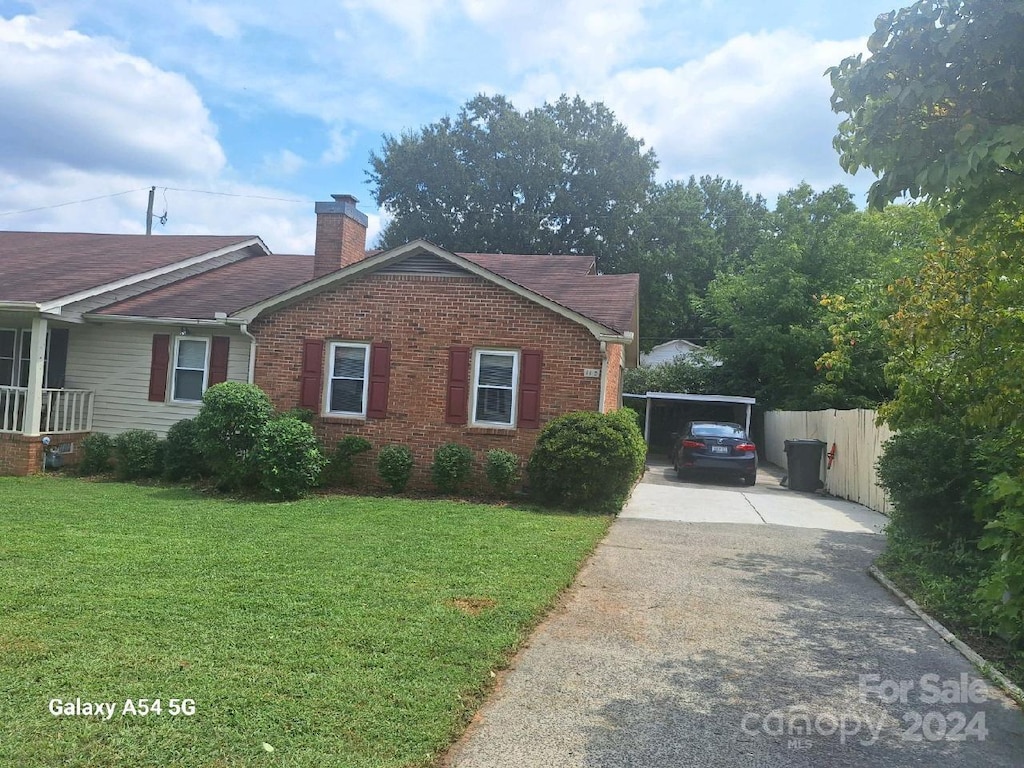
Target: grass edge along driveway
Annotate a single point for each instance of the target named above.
(333, 631)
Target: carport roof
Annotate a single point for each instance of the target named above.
(696, 398)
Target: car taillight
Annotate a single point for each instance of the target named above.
(692, 444)
(746, 448)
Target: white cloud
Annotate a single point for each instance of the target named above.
(284, 162)
(755, 110)
(75, 101)
(340, 146)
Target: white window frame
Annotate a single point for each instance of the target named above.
(330, 378)
(477, 354)
(174, 368)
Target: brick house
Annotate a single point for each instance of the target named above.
(414, 345)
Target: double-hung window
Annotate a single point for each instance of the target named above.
(495, 383)
(347, 380)
(15, 356)
(191, 359)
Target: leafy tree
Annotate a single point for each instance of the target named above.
(562, 178)
(937, 109)
(767, 313)
(692, 232)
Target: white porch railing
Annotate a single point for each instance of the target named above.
(64, 410)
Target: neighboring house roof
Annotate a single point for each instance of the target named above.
(670, 350)
(43, 267)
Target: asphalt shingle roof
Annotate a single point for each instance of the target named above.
(44, 266)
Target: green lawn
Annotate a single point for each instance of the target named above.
(342, 631)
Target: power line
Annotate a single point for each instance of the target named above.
(72, 202)
(233, 194)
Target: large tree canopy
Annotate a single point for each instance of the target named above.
(937, 109)
(563, 178)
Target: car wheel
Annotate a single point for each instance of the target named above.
(750, 479)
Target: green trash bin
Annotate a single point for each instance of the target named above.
(803, 464)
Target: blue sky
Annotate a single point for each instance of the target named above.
(274, 105)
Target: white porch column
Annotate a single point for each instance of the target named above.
(34, 397)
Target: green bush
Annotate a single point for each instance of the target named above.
(287, 459)
(927, 470)
(502, 470)
(137, 454)
(451, 468)
(587, 460)
(183, 458)
(394, 465)
(340, 469)
(97, 453)
(230, 424)
(302, 414)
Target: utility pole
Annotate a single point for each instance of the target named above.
(149, 211)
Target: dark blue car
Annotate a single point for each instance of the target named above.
(715, 446)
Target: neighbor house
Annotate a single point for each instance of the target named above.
(414, 345)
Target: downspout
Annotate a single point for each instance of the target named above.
(604, 376)
(244, 328)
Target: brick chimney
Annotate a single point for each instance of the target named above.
(340, 235)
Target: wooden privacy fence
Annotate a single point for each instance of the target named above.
(858, 444)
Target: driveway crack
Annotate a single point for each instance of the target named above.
(756, 511)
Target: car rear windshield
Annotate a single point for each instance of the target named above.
(718, 430)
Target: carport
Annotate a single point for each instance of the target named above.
(667, 411)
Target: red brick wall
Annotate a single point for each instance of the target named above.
(20, 455)
(422, 317)
(613, 383)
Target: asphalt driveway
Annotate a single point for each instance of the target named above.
(741, 644)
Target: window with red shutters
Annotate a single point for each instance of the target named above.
(311, 385)
(529, 388)
(219, 360)
(159, 361)
(380, 376)
(457, 404)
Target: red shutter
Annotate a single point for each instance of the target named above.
(218, 360)
(380, 374)
(457, 410)
(159, 362)
(530, 365)
(312, 374)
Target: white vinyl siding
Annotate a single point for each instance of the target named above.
(495, 386)
(113, 360)
(191, 366)
(348, 378)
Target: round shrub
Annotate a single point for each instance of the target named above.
(394, 465)
(183, 458)
(97, 452)
(451, 468)
(229, 425)
(502, 470)
(137, 454)
(586, 460)
(287, 458)
(340, 469)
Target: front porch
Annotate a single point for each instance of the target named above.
(61, 411)
(34, 403)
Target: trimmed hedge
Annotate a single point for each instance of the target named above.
(394, 465)
(587, 460)
(230, 425)
(287, 458)
(97, 454)
(138, 454)
(451, 468)
(183, 458)
(502, 470)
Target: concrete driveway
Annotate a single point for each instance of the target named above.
(742, 644)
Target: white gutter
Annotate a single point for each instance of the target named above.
(604, 376)
(20, 306)
(190, 321)
(244, 328)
